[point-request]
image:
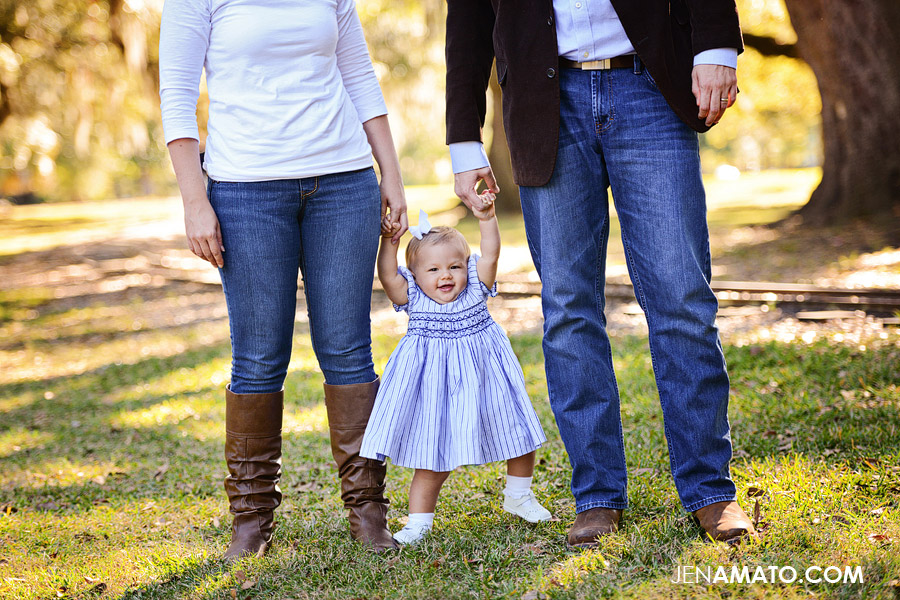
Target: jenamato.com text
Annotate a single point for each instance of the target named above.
(766, 574)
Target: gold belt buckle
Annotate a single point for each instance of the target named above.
(596, 65)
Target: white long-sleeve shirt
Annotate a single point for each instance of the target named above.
(290, 83)
(586, 30)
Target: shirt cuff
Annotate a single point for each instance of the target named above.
(727, 57)
(468, 156)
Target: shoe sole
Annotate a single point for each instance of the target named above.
(524, 518)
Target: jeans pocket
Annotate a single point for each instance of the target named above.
(649, 77)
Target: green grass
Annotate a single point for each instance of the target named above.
(111, 438)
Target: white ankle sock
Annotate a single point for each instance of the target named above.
(416, 519)
(516, 487)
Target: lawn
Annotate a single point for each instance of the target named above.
(114, 351)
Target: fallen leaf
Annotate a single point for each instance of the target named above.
(840, 519)
(756, 512)
(161, 472)
(240, 576)
(646, 470)
(248, 584)
(234, 593)
(755, 492)
(216, 522)
(309, 486)
(879, 537)
(47, 506)
(536, 548)
(8, 509)
(877, 511)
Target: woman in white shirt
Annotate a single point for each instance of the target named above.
(295, 116)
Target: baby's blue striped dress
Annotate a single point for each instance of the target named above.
(452, 392)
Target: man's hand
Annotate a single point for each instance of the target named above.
(466, 187)
(715, 88)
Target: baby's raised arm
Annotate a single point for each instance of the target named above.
(394, 284)
(490, 244)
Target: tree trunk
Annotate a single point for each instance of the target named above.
(498, 154)
(853, 48)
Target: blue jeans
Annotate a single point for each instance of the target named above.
(617, 131)
(327, 228)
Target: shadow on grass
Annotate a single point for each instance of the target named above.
(133, 438)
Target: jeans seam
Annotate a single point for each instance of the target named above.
(305, 195)
(601, 315)
(695, 506)
(605, 75)
(601, 504)
(673, 461)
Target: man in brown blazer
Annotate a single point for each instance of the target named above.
(599, 95)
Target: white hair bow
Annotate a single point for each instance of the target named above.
(422, 228)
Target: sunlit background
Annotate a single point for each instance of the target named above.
(80, 118)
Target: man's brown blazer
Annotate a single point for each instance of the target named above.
(666, 34)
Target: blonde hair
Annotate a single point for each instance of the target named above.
(438, 235)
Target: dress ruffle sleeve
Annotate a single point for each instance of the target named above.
(477, 283)
(412, 290)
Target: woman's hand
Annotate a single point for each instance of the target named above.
(204, 236)
(393, 198)
(393, 208)
(201, 226)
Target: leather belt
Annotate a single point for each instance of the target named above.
(616, 62)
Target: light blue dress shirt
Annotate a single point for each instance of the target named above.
(586, 30)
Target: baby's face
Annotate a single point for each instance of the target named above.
(441, 272)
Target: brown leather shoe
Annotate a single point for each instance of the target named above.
(725, 521)
(362, 479)
(591, 524)
(253, 455)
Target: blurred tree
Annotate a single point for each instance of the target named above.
(498, 152)
(406, 42)
(852, 48)
(78, 114)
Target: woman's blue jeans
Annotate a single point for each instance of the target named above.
(326, 228)
(617, 131)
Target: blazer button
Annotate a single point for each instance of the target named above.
(551, 73)
(550, 21)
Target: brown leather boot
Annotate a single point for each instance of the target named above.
(253, 454)
(725, 521)
(591, 524)
(362, 479)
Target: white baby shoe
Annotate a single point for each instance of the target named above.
(526, 507)
(412, 533)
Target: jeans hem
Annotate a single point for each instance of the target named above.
(600, 504)
(707, 501)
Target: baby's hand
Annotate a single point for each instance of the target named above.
(388, 228)
(487, 211)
